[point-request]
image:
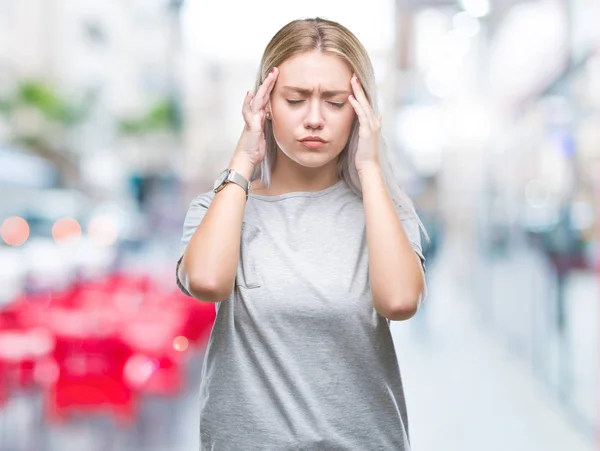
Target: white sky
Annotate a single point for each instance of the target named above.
(240, 29)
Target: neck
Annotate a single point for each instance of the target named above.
(288, 176)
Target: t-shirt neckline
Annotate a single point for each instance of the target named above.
(298, 193)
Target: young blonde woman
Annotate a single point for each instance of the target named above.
(308, 263)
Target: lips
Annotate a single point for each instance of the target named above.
(313, 139)
(312, 144)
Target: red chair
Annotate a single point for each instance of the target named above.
(90, 394)
(20, 352)
(162, 376)
(157, 367)
(90, 380)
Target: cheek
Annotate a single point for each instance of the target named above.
(282, 128)
(343, 124)
(284, 121)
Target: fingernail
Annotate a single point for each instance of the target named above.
(272, 71)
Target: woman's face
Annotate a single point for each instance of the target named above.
(310, 112)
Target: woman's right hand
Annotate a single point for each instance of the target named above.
(251, 146)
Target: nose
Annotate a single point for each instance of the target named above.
(314, 118)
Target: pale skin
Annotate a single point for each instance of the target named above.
(311, 94)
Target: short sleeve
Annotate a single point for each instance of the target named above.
(193, 218)
(413, 232)
(411, 223)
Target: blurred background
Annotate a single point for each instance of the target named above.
(115, 114)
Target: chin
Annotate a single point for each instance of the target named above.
(311, 158)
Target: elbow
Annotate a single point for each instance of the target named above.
(400, 309)
(207, 289)
(201, 284)
(400, 312)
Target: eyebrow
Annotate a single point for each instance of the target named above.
(306, 92)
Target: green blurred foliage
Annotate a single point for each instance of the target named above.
(162, 116)
(47, 100)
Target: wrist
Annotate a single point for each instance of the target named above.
(242, 166)
(369, 169)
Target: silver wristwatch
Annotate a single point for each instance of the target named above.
(229, 175)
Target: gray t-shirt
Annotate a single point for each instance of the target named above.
(298, 358)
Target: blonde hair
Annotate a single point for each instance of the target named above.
(304, 35)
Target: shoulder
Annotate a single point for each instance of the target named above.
(197, 208)
(202, 200)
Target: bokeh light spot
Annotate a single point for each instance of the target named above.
(66, 229)
(180, 343)
(14, 231)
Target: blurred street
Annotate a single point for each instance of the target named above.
(467, 390)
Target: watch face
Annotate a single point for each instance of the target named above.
(222, 177)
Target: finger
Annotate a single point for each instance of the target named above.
(262, 95)
(360, 112)
(271, 85)
(246, 108)
(359, 94)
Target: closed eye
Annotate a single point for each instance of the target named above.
(334, 104)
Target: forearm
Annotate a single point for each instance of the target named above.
(210, 262)
(395, 271)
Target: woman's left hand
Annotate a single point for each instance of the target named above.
(367, 153)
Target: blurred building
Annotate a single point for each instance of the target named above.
(117, 61)
(497, 103)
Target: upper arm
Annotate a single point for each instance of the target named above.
(193, 218)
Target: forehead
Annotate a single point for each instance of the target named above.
(314, 69)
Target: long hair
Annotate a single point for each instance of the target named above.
(304, 35)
